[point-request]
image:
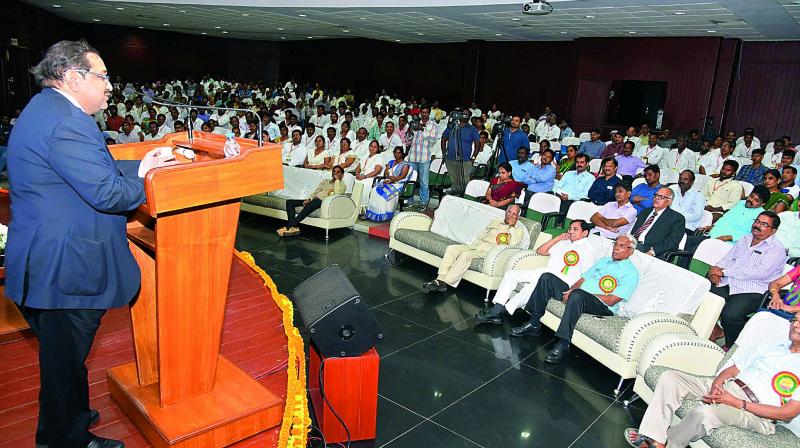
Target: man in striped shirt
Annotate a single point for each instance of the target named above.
(419, 153)
(744, 273)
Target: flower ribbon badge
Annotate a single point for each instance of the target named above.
(503, 238)
(784, 384)
(571, 259)
(608, 284)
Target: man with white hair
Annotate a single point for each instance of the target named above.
(598, 291)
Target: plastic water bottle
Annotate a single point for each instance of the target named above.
(231, 145)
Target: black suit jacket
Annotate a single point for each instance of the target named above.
(665, 234)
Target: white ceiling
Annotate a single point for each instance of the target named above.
(443, 20)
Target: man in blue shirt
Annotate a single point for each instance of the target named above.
(602, 190)
(521, 167)
(513, 139)
(753, 173)
(460, 152)
(574, 185)
(599, 291)
(594, 147)
(642, 195)
(541, 177)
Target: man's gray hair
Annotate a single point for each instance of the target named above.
(630, 238)
(60, 57)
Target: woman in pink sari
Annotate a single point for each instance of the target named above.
(503, 189)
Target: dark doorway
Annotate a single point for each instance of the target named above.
(632, 103)
(16, 83)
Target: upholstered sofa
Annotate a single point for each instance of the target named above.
(459, 221)
(667, 299)
(698, 356)
(336, 212)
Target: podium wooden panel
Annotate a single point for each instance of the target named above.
(180, 391)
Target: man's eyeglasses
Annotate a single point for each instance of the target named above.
(759, 223)
(99, 75)
(661, 196)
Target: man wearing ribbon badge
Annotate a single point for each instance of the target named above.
(570, 253)
(598, 291)
(757, 392)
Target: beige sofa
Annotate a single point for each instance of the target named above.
(336, 212)
(425, 239)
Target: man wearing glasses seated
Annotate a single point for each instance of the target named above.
(745, 272)
(598, 291)
(759, 391)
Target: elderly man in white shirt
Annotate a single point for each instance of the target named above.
(571, 254)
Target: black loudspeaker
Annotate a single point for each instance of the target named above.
(340, 323)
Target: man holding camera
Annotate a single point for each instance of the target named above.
(419, 152)
(457, 142)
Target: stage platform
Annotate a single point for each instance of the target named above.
(253, 339)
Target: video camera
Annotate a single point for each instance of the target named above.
(501, 124)
(415, 125)
(458, 114)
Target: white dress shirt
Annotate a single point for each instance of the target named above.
(387, 143)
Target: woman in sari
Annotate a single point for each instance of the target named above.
(346, 159)
(384, 197)
(503, 189)
(567, 163)
(367, 169)
(778, 201)
(318, 158)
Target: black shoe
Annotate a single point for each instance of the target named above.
(488, 318)
(525, 330)
(557, 354)
(94, 417)
(102, 442)
(435, 286)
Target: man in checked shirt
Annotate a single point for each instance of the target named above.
(744, 273)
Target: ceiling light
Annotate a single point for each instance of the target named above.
(120, 9)
(345, 31)
(679, 13)
(141, 27)
(515, 19)
(224, 32)
(218, 27)
(280, 29)
(56, 6)
(497, 34)
(631, 32)
(182, 11)
(301, 15)
(431, 18)
(711, 31)
(283, 38)
(203, 33)
(95, 20)
(420, 34)
(397, 40)
(563, 32)
(244, 14)
(589, 17)
(362, 18)
(310, 37)
(165, 24)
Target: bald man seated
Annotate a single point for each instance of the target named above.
(659, 229)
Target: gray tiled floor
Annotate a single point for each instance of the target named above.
(446, 381)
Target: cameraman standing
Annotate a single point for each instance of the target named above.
(458, 140)
(419, 152)
(513, 139)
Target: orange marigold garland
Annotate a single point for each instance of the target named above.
(296, 419)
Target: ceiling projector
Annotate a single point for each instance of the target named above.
(537, 7)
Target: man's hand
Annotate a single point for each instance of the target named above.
(704, 229)
(565, 295)
(725, 238)
(637, 199)
(306, 202)
(716, 271)
(563, 237)
(155, 158)
(718, 395)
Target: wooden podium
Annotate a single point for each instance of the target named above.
(181, 391)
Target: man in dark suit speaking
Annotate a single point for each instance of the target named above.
(67, 258)
(659, 229)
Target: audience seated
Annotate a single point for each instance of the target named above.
(567, 163)
(736, 222)
(384, 196)
(778, 200)
(629, 164)
(318, 158)
(593, 147)
(458, 257)
(742, 395)
(614, 148)
(617, 217)
(649, 152)
(677, 160)
(642, 194)
(744, 273)
(711, 164)
(659, 229)
(723, 192)
(368, 168)
(294, 152)
(598, 291)
(522, 166)
(745, 148)
(541, 176)
(754, 172)
(602, 190)
(327, 187)
(571, 254)
(346, 158)
(687, 201)
(574, 185)
(503, 189)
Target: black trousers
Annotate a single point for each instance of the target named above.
(737, 308)
(291, 204)
(65, 338)
(578, 302)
